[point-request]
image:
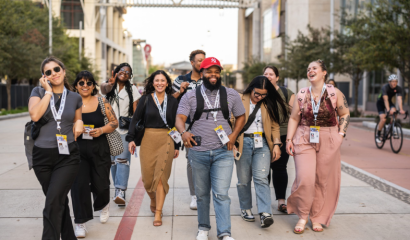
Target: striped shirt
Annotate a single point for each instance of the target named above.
(176, 85)
(205, 127)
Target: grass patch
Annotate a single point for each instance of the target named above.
(13, 111)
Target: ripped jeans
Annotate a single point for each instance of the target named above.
(254, 162)
(120, 171)
(213, 171)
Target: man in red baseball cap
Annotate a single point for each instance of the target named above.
(210, 106)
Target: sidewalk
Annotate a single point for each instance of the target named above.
(363, 212)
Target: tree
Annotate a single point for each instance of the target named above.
(252, 68)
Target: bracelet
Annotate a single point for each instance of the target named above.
(48, 92)
(102, 130)
(183, 132)
(342, 133)
(288, 140)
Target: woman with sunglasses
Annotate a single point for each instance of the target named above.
(56, 155)
(123, 97)
(94, 174)
(259, 143)
(279, 168)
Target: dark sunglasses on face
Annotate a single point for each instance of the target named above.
(125, 71)
(56, 70)
(83, 82)
(259, 95)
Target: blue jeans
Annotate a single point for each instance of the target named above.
(120, 171)
(254, 162)
(213, 170)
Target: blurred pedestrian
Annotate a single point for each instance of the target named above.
(333, 82)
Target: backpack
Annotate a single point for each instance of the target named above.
(330, 90)
(223, 102)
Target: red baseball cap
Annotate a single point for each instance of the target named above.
(209, 62)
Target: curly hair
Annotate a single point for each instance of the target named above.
(111, 95)
(149, 82)
(86, 75)
(194, 53)
(61, 64)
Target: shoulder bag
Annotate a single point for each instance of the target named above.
(140, 126)
(114, 138)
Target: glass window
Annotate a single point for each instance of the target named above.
(376, 80)
(72, 13)
(267, 34)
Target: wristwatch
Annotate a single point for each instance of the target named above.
(183, 132)
(288, 140)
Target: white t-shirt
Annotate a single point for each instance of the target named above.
(124, 101)
(252, 128)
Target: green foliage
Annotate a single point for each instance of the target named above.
(253, 68)
(154, 68)
(13, 111)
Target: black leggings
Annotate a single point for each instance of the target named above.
(93, 177)
(56, 174)
(279, 172)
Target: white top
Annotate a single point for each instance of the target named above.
(252, 128)
(124, 103)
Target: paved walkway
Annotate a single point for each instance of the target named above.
(363, 211)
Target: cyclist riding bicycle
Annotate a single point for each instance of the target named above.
(384, 102)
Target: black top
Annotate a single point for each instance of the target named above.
(152, 117)
(95, 118)
(390, 92)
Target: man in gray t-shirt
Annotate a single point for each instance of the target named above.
(212, 162)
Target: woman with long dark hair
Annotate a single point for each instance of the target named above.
(259, 143)
(94, 174)
(279, 167)
(56, 155)
(158, 145)
(123, 97)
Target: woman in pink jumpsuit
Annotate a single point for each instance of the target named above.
(316, 151)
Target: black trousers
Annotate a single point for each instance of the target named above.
(56, 174)
(279, 172)
(93, 177)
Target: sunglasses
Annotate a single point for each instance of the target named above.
(56, 70)
(125, 71)
(259, 95)
(82, 83)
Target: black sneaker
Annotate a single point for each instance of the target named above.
(266, 220)
(247, 215)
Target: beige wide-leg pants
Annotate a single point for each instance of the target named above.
(316, 189)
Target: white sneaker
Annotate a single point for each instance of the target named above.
(105, 214)
(227, 238)
(202, 235)
(80, 230)
(193, 205)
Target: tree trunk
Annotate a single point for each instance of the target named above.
(8, 88)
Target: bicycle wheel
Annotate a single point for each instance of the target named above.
(380, 144)
(396, 140)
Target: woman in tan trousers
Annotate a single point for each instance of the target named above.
(158, 109)
(316, 151)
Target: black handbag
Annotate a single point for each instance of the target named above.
(123, 122)
(140, 126)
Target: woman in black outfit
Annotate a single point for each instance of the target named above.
(56, 159)
(94, 174)
(157, 146)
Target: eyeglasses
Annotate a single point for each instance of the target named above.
(56, 70)
(125, 71)
(258, 94)
(82, 83)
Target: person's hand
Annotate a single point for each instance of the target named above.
(183, 87)
(187, 138)
(43, 81)
(176, 153)
(96, 132)
(111, 81)
(232, 139)
(392, 111)
(131, 147)
(289, 148)
(402, 112)
(276, 153)
(78, 129)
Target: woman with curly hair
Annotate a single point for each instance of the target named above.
(158, 145)
(123, 97)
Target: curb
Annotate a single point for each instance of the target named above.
(16, 115)
(358, 119)
(372, 125)
(377, 182)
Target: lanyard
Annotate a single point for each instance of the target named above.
(162, 111)
(258, 117)
(315, 107)
(57, 115)
(214, 113)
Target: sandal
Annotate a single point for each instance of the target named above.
(158, 223)
(153, 207)
(317, 227)
(300, 227)
(283, 208)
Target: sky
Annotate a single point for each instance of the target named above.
(174, 32)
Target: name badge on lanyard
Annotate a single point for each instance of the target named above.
(61, 139)
(87, 135)
(173, 133)
(257, 136)
(314, 130)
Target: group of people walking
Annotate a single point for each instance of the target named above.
(256, 130)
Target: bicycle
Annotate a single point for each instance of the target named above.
(392, 131)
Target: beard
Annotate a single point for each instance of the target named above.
(211, 86)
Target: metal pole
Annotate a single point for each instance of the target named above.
(50, 28)
(80, 41)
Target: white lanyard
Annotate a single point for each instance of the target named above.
(258, 117)
(214, 113)
(162, 111)
(57, 115)
(315, 107)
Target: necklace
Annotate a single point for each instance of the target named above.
(87, 102)
(59, 95)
